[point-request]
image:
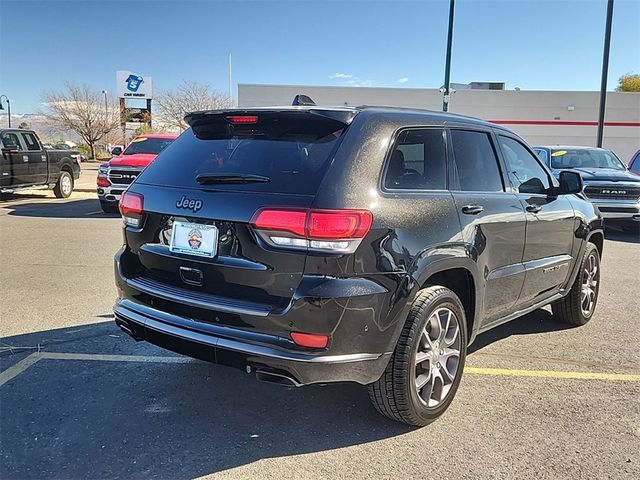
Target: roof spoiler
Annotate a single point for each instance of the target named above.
(302, 100)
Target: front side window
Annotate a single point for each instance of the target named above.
(10, 139)
(526, 174)
(418, 161)
(31, 141)
(476, 162)
(634, 166)
(542, 155)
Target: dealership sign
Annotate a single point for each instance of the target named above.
(133, 85)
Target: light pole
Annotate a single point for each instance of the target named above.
(8, 107)
(104, 93)
(605, 71)
(447, 67)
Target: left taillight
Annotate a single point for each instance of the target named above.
(335, 231)
(131, 208)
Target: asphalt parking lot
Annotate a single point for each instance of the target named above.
(79, 399)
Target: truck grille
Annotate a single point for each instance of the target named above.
(123, 176)
(612, 193)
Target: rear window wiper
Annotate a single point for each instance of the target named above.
(210, 178)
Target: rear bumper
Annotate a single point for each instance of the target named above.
(252, 352)
(355, 314)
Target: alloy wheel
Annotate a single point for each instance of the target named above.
(437, 357)
(589, 289)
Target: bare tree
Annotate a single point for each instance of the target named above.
(83, 110)
(173, 105)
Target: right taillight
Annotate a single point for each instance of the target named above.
(337, 231)
(131, 208)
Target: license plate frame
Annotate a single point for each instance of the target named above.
(196, 239)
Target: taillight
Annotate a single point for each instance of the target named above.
(131, 208)
(338, 231)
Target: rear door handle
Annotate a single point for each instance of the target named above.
(472, 209)
(534, 208)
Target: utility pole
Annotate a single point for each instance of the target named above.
(447, 67)
(605, 72)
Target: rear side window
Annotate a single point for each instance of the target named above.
(31, 141)
(418, 161)
(476, 162)
(525, 172)
(292, 150)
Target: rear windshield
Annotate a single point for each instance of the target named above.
(574, 158)
(147, 145)
(292, 150)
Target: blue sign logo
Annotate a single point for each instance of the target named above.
(134, 82)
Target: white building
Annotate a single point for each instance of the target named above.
(541, 117)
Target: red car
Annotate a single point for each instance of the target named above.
(115, 175)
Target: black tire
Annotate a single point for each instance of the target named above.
(64, 185)
(570, 310)
(109, 207)
(395, 394)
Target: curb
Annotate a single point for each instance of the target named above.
(85, 190)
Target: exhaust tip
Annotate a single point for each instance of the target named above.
(276, 378)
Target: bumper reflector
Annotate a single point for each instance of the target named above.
(310, 340)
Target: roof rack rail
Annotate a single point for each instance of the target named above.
(302, 100)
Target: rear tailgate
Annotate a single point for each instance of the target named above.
(207, 177)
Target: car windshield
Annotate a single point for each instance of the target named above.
(147, 145)
(579, 158)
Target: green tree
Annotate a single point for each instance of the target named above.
(629, 82)
(23, 126)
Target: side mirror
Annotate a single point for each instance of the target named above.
(116, 151)
(570, 182)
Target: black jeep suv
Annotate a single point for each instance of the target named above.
(371, 245)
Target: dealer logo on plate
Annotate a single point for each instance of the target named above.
(195, 238)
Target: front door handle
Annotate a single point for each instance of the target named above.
(472, 209)
(534, 208)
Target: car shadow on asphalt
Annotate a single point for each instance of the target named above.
(107, 419)
(538, 321)
(621, 236)
(86, 208)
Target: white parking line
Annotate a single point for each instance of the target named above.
(19, 367)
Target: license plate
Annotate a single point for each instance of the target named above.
(194, 239)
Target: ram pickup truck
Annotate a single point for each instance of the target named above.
(118, 173)
(25, 163)
(608, 183)
(310, 245)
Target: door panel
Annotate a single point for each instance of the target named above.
(15, 163)
(493, 221)
(548, 247)
(496, 236)
(37, 168)
(550, 223)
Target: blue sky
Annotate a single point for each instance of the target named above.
(536, 45)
